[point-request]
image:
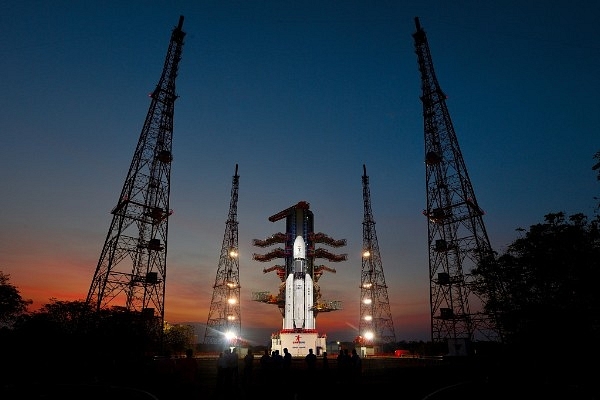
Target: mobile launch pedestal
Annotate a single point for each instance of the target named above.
(299, 297)
(298, 342)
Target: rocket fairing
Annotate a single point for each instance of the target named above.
(298, 291)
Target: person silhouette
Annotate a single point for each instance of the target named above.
(287, 359)
(325, 362)
(188, 372)
(355, 365)
(248, 367)
(311, 360)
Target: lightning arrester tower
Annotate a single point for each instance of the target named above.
(376, 326)
(132, 269)
(224, 319)
(457, 238)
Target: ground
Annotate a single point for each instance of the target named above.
(409, 379)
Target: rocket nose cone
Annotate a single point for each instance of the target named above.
(299, 247)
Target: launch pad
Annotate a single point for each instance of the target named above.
(299, 297)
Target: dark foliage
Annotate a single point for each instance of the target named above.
(71, 342)
(12, 305)
(545, 295)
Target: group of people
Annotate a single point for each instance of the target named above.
(349, 362)
(276, 367)
(277, 362)
(349, 365)
(228, 368)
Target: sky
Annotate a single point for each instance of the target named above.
(299, 94)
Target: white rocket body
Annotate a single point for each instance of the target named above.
(299, 291)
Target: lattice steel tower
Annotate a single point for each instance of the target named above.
(376, 325)
(457, 238)
(224, 317)
(132, 269)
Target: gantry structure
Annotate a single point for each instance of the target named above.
(303, 226)
(132, 269)
(457, 237)
(376, 326)
(224, 317)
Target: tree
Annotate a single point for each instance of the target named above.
(596, 167)
(12, 305)
(178, 338)
(547, 293)
(72, 339)
(61, 329)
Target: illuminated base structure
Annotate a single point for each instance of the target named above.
(299, 297)
(298, 341)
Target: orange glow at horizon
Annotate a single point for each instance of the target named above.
(188, 295)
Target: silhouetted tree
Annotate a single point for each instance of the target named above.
(71, 340)
(596, 166)
(178, 338)
(547, 298)
(12, 305)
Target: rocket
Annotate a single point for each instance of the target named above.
(299, 291)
